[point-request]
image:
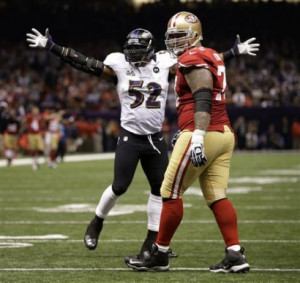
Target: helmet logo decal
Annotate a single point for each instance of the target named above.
(192, 19)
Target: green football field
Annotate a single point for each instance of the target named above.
(44, 215)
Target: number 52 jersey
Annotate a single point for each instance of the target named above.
(142, 91)
(201, 57)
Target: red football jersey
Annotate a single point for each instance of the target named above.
(34, 123)
(12, 127)
(207, 58)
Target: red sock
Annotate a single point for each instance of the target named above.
(171, 216)
(52, 155)
(227, 220)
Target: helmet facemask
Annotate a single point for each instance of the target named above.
(178, 41)
(139, 48)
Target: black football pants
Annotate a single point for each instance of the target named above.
(130, 149)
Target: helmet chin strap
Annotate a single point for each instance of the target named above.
(196, 41)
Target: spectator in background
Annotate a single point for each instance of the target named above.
(240, 130)
(239, 97)
(62, 143)
(74, 140)
(3, 118)
(285, 131)
(251, 136)
(296, 133)
(11, 132)
(98, 136)
(275, 140)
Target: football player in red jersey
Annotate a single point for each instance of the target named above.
(204, 147)
(34, 123)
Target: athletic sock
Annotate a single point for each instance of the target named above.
(235, 248)
(171, 216)
(106, 202)
(154, 207)
(149, 241)
(163, 249)
(226, 218)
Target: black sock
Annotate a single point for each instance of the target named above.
(149, 241)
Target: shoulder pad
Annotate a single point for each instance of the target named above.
(114, 59)
(199, 57)
(164, 58)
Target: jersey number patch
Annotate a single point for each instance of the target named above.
(221, 72)
(154, 92)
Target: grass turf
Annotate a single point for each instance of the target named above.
(267, 203)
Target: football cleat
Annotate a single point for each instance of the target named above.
(172, 254)
(133, 259)
(92, 233)
(234, 262)
(155, 260)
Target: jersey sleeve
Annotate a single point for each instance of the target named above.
(113, 60)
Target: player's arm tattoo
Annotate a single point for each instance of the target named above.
(200, 82)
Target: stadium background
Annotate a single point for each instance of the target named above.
(264, 91)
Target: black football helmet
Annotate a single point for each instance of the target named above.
(139, 46)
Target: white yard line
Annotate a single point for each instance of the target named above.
(54, 210)
(127, 269)
(68, 158)
(8, 239)
(66, 222)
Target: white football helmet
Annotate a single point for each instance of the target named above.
(184, 31)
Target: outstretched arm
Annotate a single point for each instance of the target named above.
(248, 47)
(69, 55)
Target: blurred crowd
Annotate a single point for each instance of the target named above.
(91, 106)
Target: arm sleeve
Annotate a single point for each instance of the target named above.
(78, 60)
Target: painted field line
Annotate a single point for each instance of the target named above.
(272, 221)
(38, 237)
(254, 207)
(8, 239)
(68, 158)
(127, 269)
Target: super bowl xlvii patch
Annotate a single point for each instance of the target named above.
(155, 69)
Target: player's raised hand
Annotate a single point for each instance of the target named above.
(37, 40)
(248, 47)
(198, 157)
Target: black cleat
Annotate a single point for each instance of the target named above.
(234, 262)
(155, 260)
(92, 233)
(135, 259)
(172, 254)
(144, 255)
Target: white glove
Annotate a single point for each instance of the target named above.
(197, 148)
(38, 40)
(246, 47)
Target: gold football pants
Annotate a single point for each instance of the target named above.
(213, 176)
